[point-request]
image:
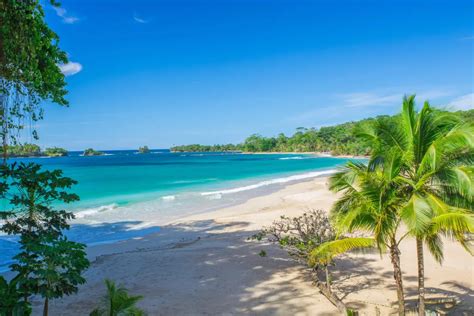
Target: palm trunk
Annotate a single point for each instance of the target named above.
(421, 277)
(46, 305)
(397, 275)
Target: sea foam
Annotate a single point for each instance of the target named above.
(95, 210)
(303, 176)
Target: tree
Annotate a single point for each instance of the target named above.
(29, 71)
(434, 153)
(48, 263)
(370, 202)
(117, 302)
(55, 266)
(311, 239)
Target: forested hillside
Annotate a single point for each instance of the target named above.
(339, 139)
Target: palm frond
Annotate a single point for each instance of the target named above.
(453, 223)
(416, 215)
(327, 251)
(435, 246)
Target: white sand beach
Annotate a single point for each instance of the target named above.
(205, 265)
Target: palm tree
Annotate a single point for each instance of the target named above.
(436, 175)
(117, 302)
(370, 202)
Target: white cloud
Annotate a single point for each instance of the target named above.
(429, 95)
(364, 99)
(367, 102)
(464, 102)
(140, 20)
(71, 68)
(62, 13)
(368, 99)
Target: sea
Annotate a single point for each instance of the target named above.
(125, 194)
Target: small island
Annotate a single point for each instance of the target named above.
(23, 150)
(32, 150)
(55, 152)
(143, 150)
(92, 152)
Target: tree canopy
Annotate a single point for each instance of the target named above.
(29, 66)
(339, 139)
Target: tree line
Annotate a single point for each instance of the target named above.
(339, 139)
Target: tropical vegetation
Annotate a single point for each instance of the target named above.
(117, 302)
(33, 150)
(340, 139)
(48, 264)
(92, 152)
(144, 150)
(29, 71)
(311, 239)
(55, 152)
(23, 150)
(419, 177)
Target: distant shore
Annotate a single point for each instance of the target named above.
(315, 153)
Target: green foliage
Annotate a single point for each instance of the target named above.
(341, 139)
(11, 298)
(326, 252)
(29, 59)
(299, 235)
(32, 150)
(421, 173)
(48, 263)
(55, 152)
(435, 170)
(24, 150)
(206, 148)
(117, 302)
(144, 150)
(92, 152)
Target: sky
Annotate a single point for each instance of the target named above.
(163, 73)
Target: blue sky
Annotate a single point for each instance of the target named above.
(159, 73)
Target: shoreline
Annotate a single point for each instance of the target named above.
(231, 278)
(315, 153)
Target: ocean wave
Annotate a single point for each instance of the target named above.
(294, 158)
(168, 197)
(104, 154)
(303, 176)
(193, 181)
(95, 210)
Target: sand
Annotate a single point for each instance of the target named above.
(205, 265)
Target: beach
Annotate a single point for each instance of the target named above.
(204, 264)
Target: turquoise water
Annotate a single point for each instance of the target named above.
(124, 177)
(125, 194)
